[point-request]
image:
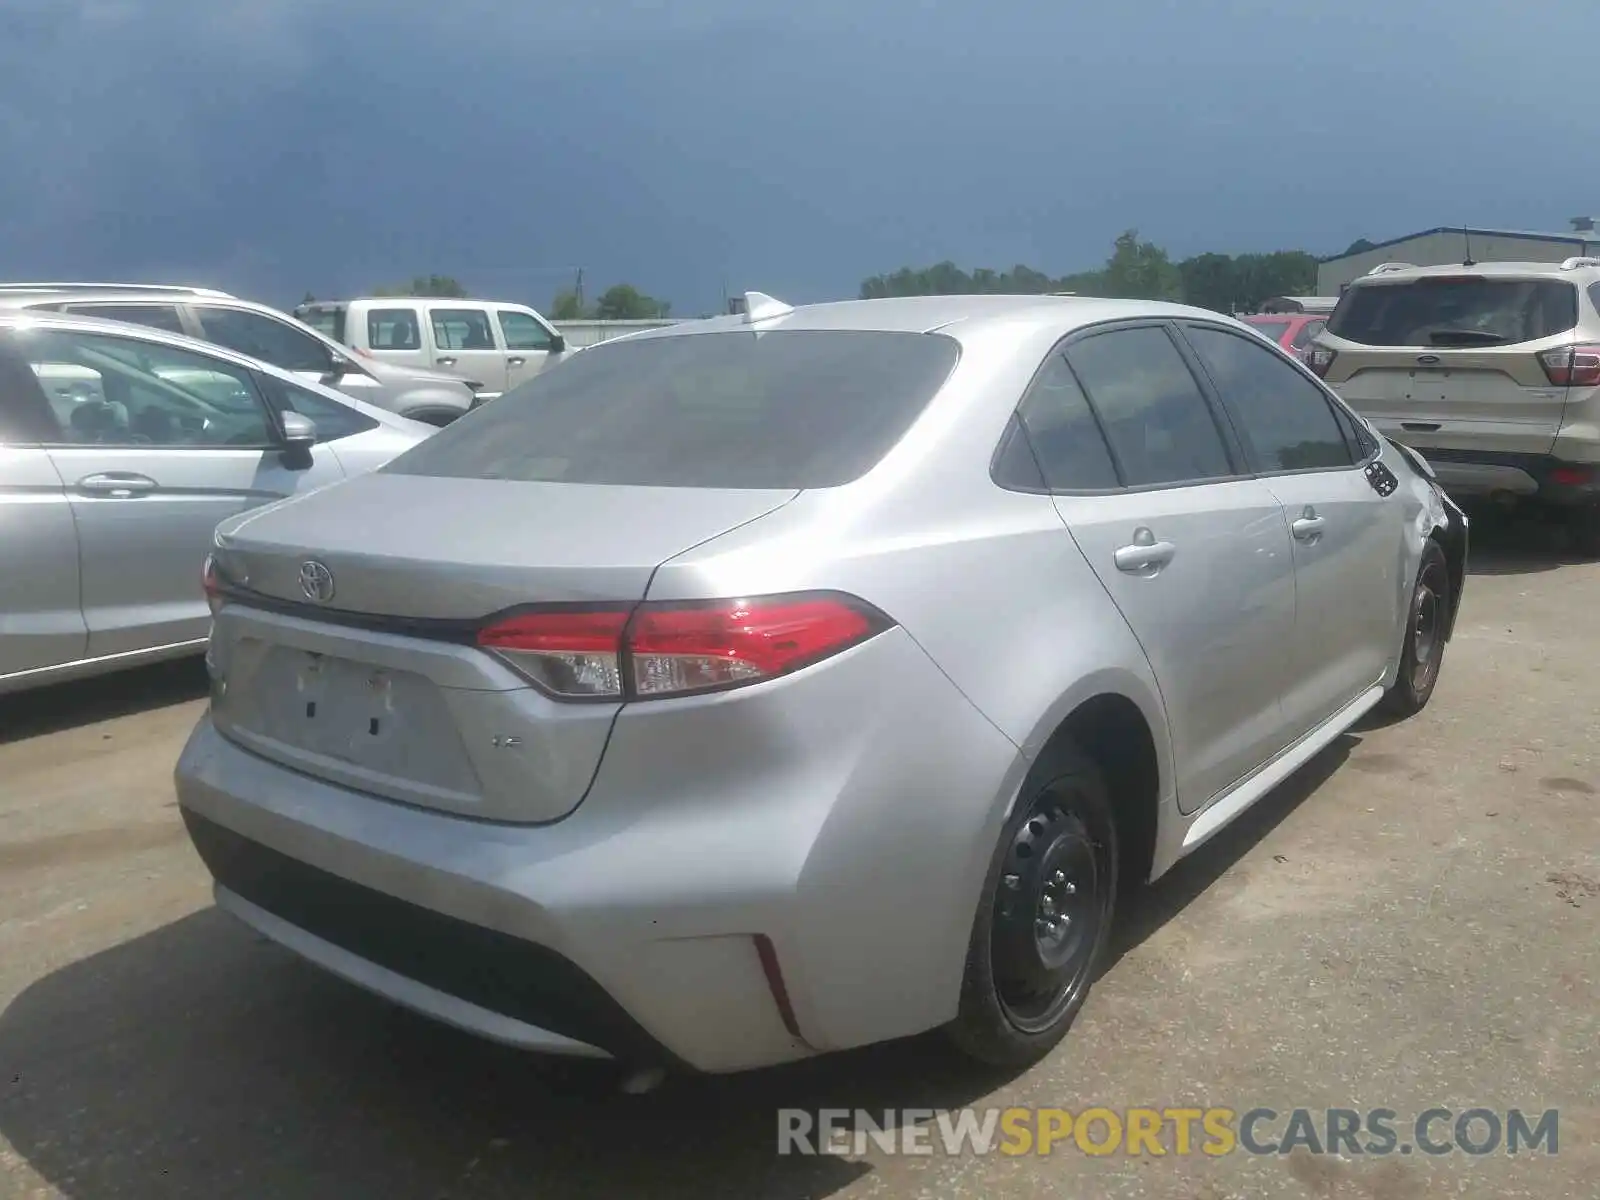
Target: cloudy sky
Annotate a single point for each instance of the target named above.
(275, 146)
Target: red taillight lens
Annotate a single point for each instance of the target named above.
(1319, 359)
(211, 583)
(1572, 366)
(573, 654)
(1575, 475)
(668, 649)
(677, 649)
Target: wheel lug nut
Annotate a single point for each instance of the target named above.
(1059, 877)
(1070, 889)
(1048, 905)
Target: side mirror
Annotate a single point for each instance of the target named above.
(557, 344)
(340, 364)
(299, 437)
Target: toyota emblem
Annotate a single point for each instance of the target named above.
(316, 581)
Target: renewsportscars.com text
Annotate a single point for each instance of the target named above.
(1212, 1132)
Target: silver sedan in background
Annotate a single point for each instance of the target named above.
(780, 683)
(121, 448)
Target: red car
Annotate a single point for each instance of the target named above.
(1292, 331)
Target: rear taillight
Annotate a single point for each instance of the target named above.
(1319, 359)
(666, 649)
(1572, 366)
(573, 654)
(211, 583)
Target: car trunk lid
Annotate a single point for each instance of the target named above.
(363, 670)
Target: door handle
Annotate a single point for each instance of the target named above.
(515, 362)
(1308, 526)
(445, 362)
(1145, 556)
(117, 484)
(1420, 426)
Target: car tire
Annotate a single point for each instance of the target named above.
(1043, 924)
(1584, 528)
(1427, 619)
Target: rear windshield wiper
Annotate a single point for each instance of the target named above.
(1465, 337)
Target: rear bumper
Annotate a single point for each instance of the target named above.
(853, 841)
(1542, 477)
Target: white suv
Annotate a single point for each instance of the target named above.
(496, 346)
(1490, 370)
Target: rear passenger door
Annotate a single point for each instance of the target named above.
(465, 343)
(41, 621)
(1347, 537)
(1193, 552)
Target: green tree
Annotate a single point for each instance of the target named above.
(624, 302)
(424, 285)
(1208, 281)
(1360, 246)
(567, 307)
(1140, 271)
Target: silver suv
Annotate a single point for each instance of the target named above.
(1490, 370)
(260, 332)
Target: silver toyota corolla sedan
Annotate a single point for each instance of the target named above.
(121, 448)
(780, 683)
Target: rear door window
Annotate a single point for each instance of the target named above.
(329, 322)
(783, 409)
(1461, 312)
(1062, 430)
(1158, 421)
(393, 329)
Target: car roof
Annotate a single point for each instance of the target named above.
(1515, 270)
(23, 296)
(50, 320)
(957, 316)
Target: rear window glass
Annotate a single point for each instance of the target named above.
(797, 409)
(1463, 312)
(1273, 331)
(329, 322)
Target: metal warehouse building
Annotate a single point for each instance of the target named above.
(1442, 246)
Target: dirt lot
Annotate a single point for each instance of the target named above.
(1413, 921)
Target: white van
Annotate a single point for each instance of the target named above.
(492, 345)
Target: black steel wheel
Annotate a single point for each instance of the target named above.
(1045, 919)
(1423, 653)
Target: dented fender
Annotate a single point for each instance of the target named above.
(1433, 516)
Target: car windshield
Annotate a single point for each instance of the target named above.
(1455, 311)
(1273, 331)
(798, 409)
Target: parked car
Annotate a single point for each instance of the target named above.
(722, 699)
(497, 345)
(1293, 331)
(121, 448)
(260, 332)
(1491, 371)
